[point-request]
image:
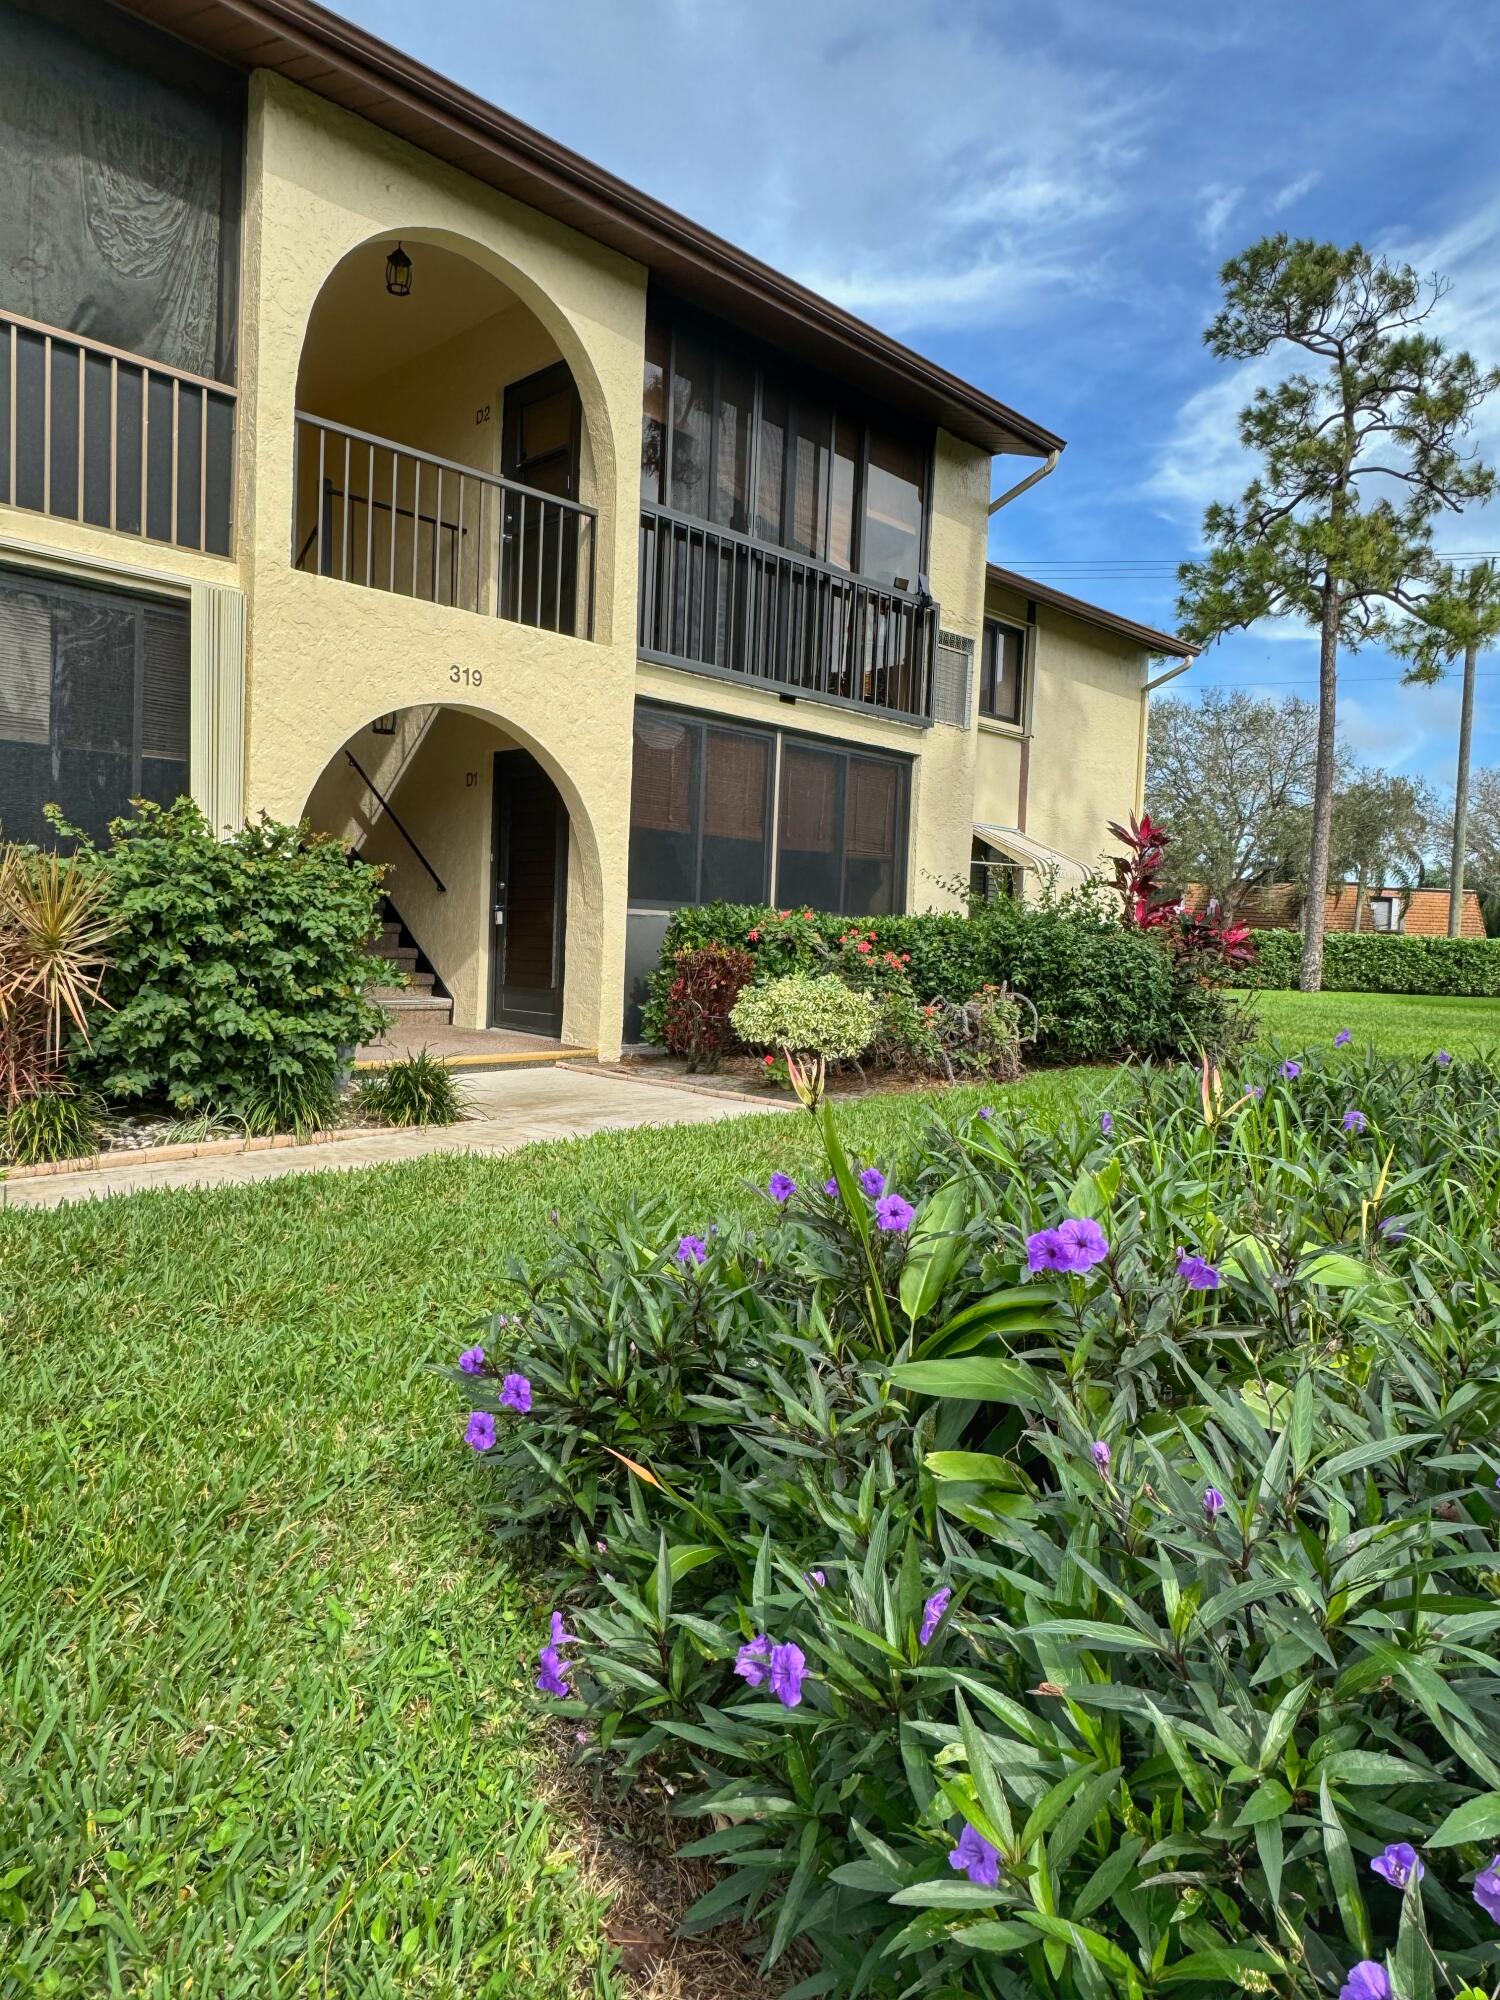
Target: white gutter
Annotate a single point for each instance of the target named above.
(1140, 746)
(1049, 464)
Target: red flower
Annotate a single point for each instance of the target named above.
(769, 1061)
(754, 936)
(863, 946)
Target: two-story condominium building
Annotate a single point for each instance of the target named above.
(367, 457)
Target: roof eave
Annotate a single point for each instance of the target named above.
(1166, 643)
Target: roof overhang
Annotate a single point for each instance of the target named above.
(1094, 614)
(1032, 854)
(341, 62)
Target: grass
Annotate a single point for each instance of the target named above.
(262, 1686)
(1398, 1023)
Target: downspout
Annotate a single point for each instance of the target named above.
(1049, 464)
(1140, 746)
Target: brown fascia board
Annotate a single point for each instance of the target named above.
(1093, 614)
(340, 62)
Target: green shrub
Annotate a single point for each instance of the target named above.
(239, 965)
(809, 1014)
(299, 1101)
(59, 1122)
(1166, 1581)
(700, 998)
(1099, 990)
(1381, 962)
(417, 1090)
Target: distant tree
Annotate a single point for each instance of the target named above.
(1459, 617)
(1231, 776)
(1357, 456)
(1482, 832)
(1383, 825)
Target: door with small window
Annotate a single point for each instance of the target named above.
(540, 436)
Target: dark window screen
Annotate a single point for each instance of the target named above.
(93, 704)
(810, 856)
(871, 831)
(664, 809)
(736, 852)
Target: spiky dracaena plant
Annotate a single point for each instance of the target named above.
(55, 928)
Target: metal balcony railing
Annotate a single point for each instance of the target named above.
(718, 602)
(95, 434)
(373, 512)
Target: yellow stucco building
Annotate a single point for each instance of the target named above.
(367, 457)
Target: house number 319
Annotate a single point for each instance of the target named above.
(469, 677)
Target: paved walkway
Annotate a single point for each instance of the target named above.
(509, 1108)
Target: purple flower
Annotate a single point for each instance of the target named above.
(560, 1637)
(986, 1112)
(831, 1188)
(1106, 1122)
(552, 1679)
(815, 1576)
(1046, 1251)
(1398, 1865)
(753, 1661)
(1291, 1071)
(480, 1430)
(471, 1360)
(975, 1858)
(781, 1187)
(1257, 1091)
(894, 1214)
(1084, 1242)
(1487, 1889)
(515, 1394)
(1214, 1502)
(1355, 1120)
(1197, 1273)
(1343, 1038)
(1099, 1453)
(1443, 1059)
(932, 1613)
(1367, 1981)
(691, 1250)
(788, 1672)
(872, 1180)
(1392, 1231)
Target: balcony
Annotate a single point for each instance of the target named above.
(718, 603)
(90, 433)
(377, 513)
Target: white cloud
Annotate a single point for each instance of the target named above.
(1219, 203)
(1288, 196)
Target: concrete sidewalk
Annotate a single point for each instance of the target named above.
(508, 1109)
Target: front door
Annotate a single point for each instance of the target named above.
(530, 897)
(539, 450)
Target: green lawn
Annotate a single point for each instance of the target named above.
(1399, 1023)
(263, 1686)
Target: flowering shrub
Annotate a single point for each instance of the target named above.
(814, 1015)
(1062, 1564)
(705, 985)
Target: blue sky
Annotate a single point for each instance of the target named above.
(1040, 196)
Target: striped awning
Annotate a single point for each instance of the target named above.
(1032, 854)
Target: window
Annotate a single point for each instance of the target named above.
(1385, 912)
(1002, 671)
(700, 818)
(785, 461)
(992, 875)
(93, 703)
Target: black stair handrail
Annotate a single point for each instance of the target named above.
(388, 808)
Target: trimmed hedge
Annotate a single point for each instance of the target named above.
(1380, 962)
(1100, 991)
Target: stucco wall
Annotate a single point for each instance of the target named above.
(325, 657)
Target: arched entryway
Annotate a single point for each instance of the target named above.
(443, 452)
(491, 872)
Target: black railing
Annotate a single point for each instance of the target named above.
(373, 512)
(721, 603)
(92, 433)
(390, 812)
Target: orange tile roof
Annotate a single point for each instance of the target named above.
(1277, 906)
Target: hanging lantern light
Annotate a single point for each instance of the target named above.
(398, 274)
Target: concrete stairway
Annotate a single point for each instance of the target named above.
(415, 1007)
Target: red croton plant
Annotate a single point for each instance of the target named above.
(1202, 945)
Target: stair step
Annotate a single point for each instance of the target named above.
(397, 954)
(415, 1006)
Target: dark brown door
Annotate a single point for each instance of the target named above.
(530, 897)
(539, 450)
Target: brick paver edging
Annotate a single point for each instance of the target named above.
(145, 1156)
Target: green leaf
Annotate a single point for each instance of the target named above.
(1412, 1966)
(1343, 1875)
(1476, 1819)
(940, 1895)
(687, 1556)
(998, 1937)
(935, 1247)
(1267, 1801)
(981, 1468)
(1336, 1271)
(975, 1379)
(1240, 1964)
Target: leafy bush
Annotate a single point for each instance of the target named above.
(705, 985)
(416, 1090)
(1381, 962)
(808, 1015)
(1099, 990)
(240, 966)
(59, 1122)
(1059, 1564)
